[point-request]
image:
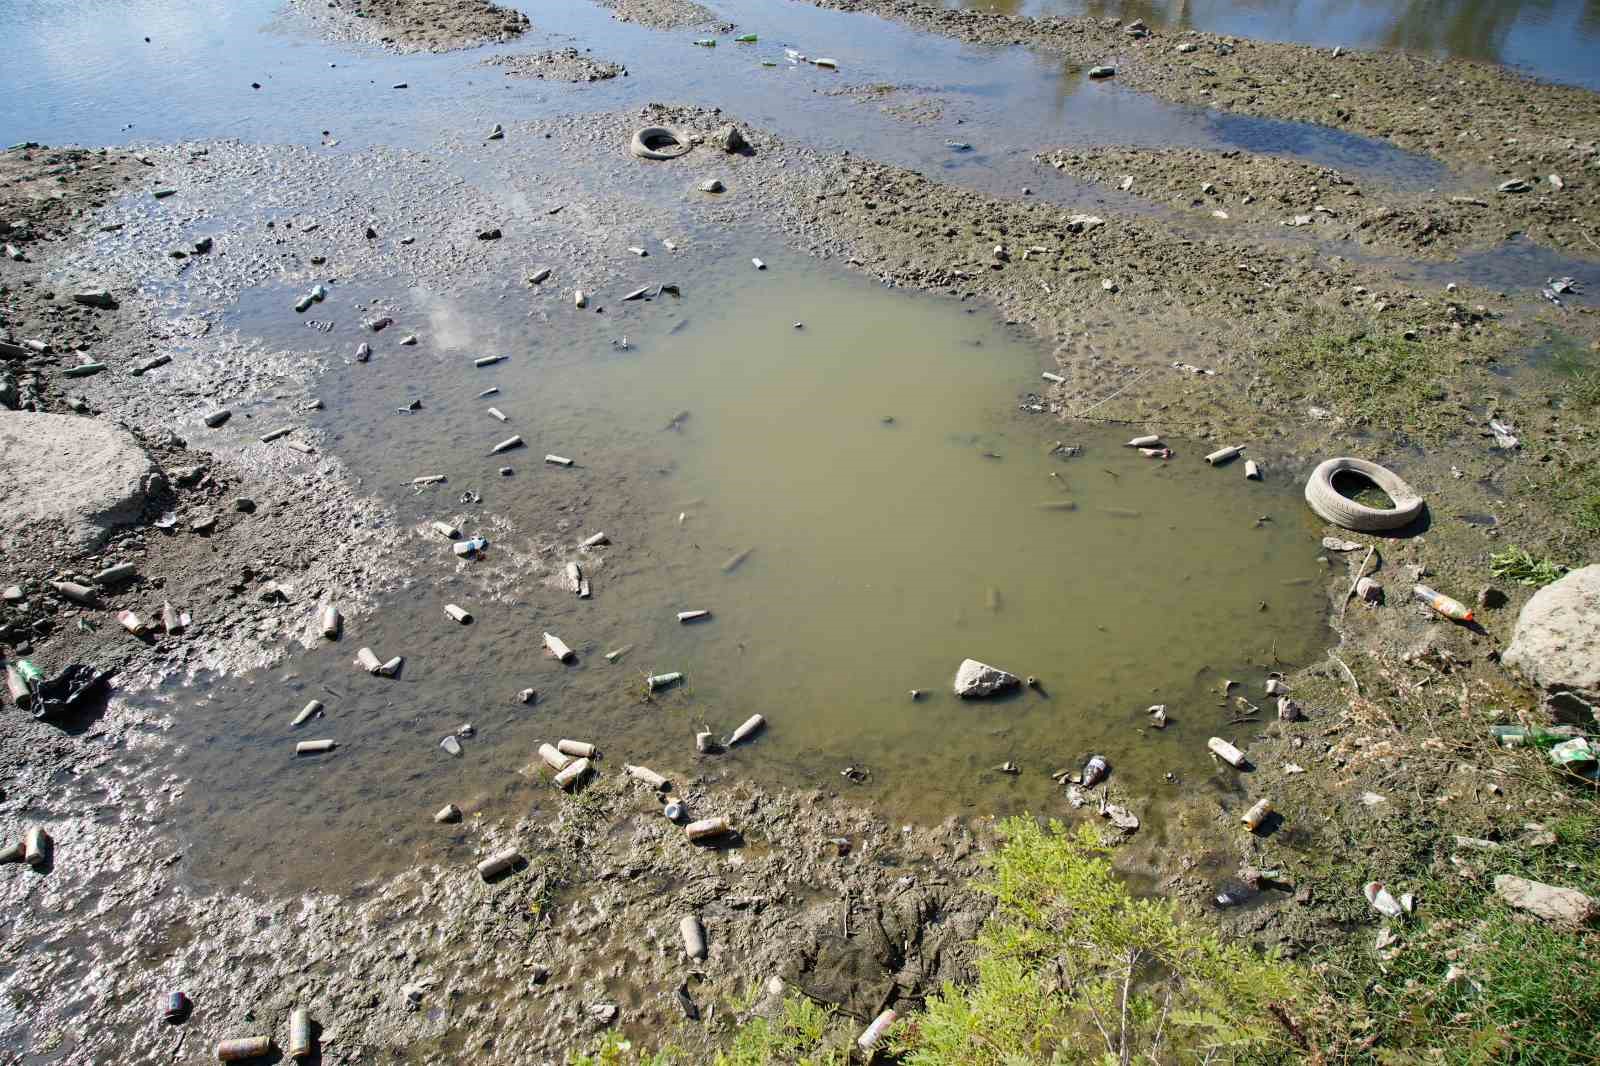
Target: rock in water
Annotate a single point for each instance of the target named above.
(1556, 643)
(1566, 907)
(975, 679)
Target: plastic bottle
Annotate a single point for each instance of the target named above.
(1095, 769)
(470, 547)
(746, 38)
(1454, 610)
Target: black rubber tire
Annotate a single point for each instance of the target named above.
(659, 142)
(1342, 511)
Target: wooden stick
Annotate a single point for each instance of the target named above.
(1351, 591)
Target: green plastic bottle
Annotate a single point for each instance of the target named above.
(745, 38)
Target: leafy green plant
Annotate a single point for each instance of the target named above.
(1523, 567)
(614, 1049)
(1074, 969)
(797, 1037)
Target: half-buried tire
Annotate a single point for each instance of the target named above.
(659, 142)
(1341, 510)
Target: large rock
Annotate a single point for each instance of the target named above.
(975, 679)
(1556, 644)
(1566, 907)
(66, 481)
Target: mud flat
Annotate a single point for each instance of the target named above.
(413, 25)
(1491, 124)
(1276, 191)
(665, 14)
(557, 64)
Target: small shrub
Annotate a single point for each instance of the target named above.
(1074, 969)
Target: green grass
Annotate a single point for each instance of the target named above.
(1525, 568)
(1475, 982)
(1376, 379)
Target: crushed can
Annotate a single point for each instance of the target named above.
(175, 1007)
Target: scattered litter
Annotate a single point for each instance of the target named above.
(659, 681)
(707, 829)
(568, 779)
(1102, 72)
(1095, 770)
(873, 1033)
(1252, 470)
(558, 648)
(692, 616)
(595, 541)
(1256, 815)
(507, 444)
(647, 776)
(1381, 899)
(617, 653)
(758, 264)
(752, 725)
(1452, 609)
(307, 712)
(1226, 752)
(468, 548)
(557, 460)
(314, 747)
(499, 863)
(458, 614)
(451, 745)
(1223, 455)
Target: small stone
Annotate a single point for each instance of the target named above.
(1102, 71)
(976, 680)
(245, 505)
(217, 418)
(1491, 597)
(498, 133)
(1564, 907)
(490, 234)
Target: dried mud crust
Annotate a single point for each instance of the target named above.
(1492, 124)
(1265, 190)
(666, 14)
(557, 64)
(414, 25)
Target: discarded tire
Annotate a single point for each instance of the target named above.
(659, 142)
(1343, 511)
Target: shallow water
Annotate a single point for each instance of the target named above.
(881, 555)
(83, 74)
(1552, 39)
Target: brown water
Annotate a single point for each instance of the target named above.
(881, 554)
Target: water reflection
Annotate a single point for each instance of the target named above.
(1553, 39)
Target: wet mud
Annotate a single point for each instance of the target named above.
(413, 25)
(1490, 124)
(559, 64)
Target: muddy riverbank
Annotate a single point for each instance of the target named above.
(1490, 124)
(253, 537)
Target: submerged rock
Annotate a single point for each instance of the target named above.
(975, 680)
